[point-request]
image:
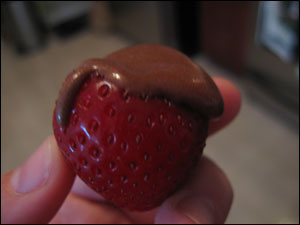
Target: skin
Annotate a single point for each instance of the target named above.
(206, 198)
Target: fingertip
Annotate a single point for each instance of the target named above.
(59, 159)
(228, 88)
(232, 104)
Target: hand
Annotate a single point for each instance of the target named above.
(41, 191)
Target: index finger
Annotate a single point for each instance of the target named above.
(232, 103)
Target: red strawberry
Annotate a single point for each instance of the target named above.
(134, 150)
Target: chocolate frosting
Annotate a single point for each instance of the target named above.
(152, 70)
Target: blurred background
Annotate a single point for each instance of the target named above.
(253, 44)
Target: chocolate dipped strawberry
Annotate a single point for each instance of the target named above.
(133, 124)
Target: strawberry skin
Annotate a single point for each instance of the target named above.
(133, 150)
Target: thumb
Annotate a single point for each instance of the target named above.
(34, 192)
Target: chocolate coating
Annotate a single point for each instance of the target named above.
(153, 70)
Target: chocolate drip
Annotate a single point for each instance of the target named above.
(152, 70)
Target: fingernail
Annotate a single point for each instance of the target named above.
(199, 210)
(35, 171)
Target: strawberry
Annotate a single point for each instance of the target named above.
(134, 149)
